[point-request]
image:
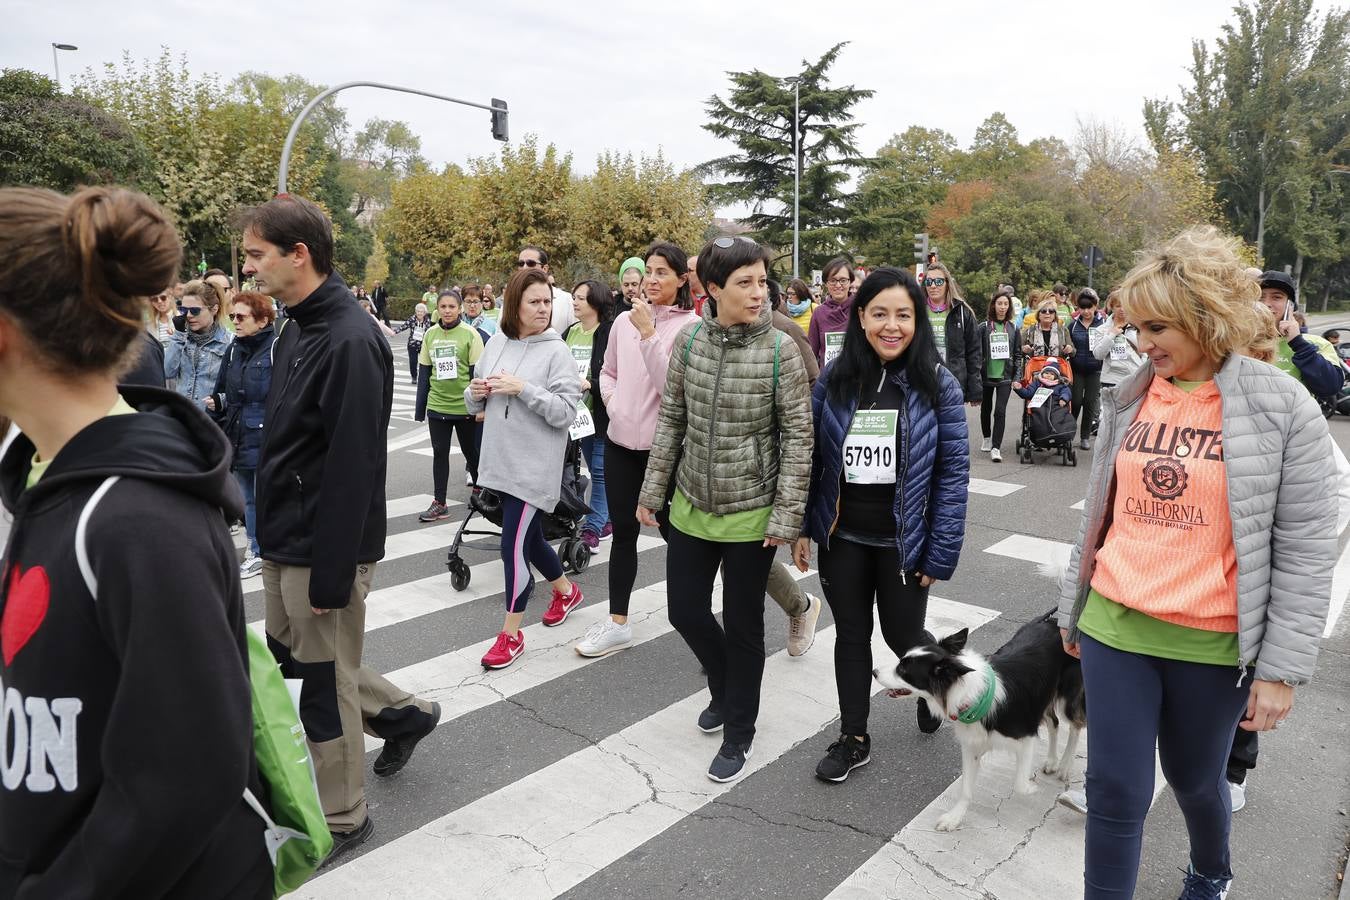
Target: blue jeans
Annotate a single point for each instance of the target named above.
(245, 479)
(593, 449)
(1190, 710)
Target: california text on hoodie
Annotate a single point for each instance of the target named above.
(127, 735)
(634, 375)
(321, 469)
(830, 316)
(525, 437)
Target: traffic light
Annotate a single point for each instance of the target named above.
(921, 247)
(1093, 257)
(499, 114)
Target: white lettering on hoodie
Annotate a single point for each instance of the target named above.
(30, 727)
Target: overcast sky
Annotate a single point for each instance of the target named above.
(634, 77)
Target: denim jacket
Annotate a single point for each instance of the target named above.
(196, 366)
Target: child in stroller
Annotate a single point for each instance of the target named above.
(1047, 422)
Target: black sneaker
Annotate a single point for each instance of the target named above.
(928, 723)
(710, 720)
(844, 755)
(346, 840)
(729, 763)
(397, 751)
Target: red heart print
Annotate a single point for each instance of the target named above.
(25, 609)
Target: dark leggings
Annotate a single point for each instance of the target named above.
(624, 471)
(853, 576)
(1087, 391)
(441, 428)
(523, 545)
(413, 351)
(999, 410)
(734, 658)
(1189, 710)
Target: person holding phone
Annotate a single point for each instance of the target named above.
(198, 345)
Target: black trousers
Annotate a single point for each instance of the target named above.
(853, 577)
(442, 427)
(624, 471)
(732, 653)
(1087, 392)
(995, 402)
(1242, 758)
(413, 351)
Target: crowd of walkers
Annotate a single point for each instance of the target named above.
(730, 414)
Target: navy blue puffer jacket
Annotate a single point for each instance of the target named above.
(241, 394)
(933, 472)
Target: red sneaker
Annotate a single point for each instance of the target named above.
(504, 651)
(562, 605)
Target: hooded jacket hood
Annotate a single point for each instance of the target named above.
(169, 441)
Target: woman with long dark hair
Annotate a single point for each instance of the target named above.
(587, 338)
(1002, 365)
(887, 504)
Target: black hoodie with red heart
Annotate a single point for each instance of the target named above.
(126, 724)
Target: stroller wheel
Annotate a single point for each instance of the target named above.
(1073, 457)
(459, 574)
(1026, 457)
(580, 557)
(565, 554)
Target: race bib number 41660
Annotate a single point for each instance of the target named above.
(869, 448)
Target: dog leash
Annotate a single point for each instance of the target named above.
(976, 711)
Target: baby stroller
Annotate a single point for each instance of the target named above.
(564, 523)
(1053, 426)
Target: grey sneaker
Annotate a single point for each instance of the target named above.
(1075, 799)
(710, 720)
(987, 445)
(802, 629)
(605, 637)
(729, 763)
(1084, 445)
(250, 567)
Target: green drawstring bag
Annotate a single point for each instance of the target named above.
(295, 832)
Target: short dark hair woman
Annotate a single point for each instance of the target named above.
(740, 471)
(123, 809)
(527, 386)
(830, 320)
(239, 402)
(1002, 349)
(888, 493)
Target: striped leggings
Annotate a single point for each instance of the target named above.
(523, 544)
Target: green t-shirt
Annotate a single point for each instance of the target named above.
(449, 354)
(735, 528)
(1065, 314)
(1132, 631)
(1284, 354)
(581, 343)
(939, 322)
(494, 313)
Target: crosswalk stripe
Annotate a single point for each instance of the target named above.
(427, 451)
(414, 599)
(458, 682)
(553, 828)
(1079, 505)
(415, 436)
(407, 543)
(405, 506)
(1030, 549)
(993, 488)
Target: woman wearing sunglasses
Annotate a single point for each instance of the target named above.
(239, 399)
(956, 331)
(828, 322)
(196, 349)
(1045, 336)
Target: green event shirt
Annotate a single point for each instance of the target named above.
(462, 344)
(939, 322)
(1284, 354)
(735, 528)
(581, 343)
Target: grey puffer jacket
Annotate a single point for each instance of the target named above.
(1282, 500)
(739, 443)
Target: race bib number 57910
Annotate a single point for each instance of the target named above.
(869, 447)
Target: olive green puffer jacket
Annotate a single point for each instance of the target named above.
(739, 443)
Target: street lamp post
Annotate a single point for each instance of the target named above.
(796, 175)
(498, 110)
(56, 64)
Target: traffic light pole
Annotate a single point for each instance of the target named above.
(498, 110)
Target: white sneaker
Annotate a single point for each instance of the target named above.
(250, 567)
(987, 445)
(1075, 799)
(996, 455)
(1239, 794)
(604, 637)
(802, 629)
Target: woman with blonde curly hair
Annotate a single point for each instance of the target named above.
(1197, 591)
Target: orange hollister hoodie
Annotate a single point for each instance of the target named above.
(1169, 552)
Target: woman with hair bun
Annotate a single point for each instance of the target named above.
(116, 651)
(1198, 589)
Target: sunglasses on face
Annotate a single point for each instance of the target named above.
(934, 282)
(190, 310)
(239, 317)
(527, 263)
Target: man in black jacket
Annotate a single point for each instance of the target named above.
(321, 507)
(379, 298)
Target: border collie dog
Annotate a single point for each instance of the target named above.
(998, 703)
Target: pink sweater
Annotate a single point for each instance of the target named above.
(634, 375)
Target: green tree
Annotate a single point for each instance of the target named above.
(757, 117)
(995, 153)
(49, 139)
(428, 224)
(907, 177)
(522, 197)
(1008, 239)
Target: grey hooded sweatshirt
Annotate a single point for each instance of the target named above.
(525, 437)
